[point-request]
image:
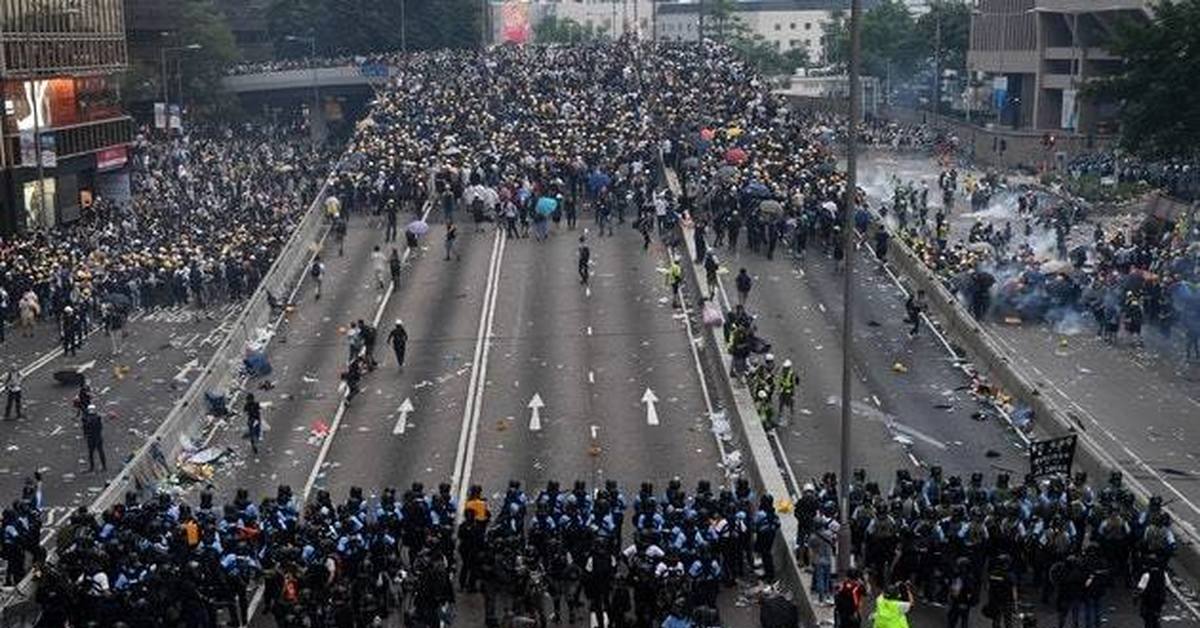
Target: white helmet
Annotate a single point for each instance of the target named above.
(787, 364)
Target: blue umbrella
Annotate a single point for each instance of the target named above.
(756, 189)
(598, 181)
(418, 227)
(546, 205)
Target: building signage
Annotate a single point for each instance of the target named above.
(112, 158)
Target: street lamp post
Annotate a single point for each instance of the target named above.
(843, 553)
(937, 65)
(166, 96)
(316, 89)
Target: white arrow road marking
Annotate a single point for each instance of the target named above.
(535, 413)
(651, 412)
(402, 422)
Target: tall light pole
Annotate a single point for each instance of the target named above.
(162, 55)
(937, 64)
(316, 88)
(403, 27)
(843, 554)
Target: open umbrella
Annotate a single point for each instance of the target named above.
(725, 173)
(546, 205)
(735, 156)
(1055, 266)
(418, 227)
(771, 206)
(756, 189)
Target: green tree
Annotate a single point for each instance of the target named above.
(890, 42)
(1156, 87)
(722, 24)
(954, 18)
(203, 69)
(565, 30)
(370, 26)
(835, 39)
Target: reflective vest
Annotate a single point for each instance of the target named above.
(888, 614)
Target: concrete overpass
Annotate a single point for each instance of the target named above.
(331, 78)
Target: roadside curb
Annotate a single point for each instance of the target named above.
(761, 463)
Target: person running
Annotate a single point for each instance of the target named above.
(254, 425)
(368, 341)
(585, 258)
(398, 337)
(316, 271)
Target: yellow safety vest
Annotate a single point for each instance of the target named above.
(888, 614)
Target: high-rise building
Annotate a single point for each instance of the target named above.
(1036, 56)
(65, 135)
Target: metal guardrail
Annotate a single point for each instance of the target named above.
(155, 459)
(992, 360)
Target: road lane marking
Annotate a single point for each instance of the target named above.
(402, 422)
(469, 432)
(535, 413)
(651, 412)
(345, 392)
(693, 342)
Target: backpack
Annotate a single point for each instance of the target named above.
(845, 599)
(315, 271)
(290, 591)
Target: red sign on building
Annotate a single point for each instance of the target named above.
(112, 158)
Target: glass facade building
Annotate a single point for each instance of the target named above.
(65, 134)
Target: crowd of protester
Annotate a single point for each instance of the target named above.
(1178, 178)
(210, 210)
(305, 63)
(1060, 265)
